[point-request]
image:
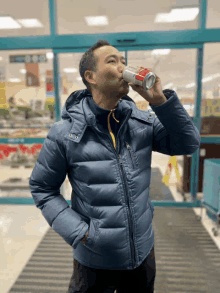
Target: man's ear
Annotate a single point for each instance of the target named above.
(90, 76)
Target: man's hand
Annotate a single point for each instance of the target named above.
(84, 239)
(154, 95)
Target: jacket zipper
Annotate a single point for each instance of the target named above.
(130, 225)
(124, 181)
(127, 198)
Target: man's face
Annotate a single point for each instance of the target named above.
(108, 77)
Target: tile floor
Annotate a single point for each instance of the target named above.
(22, 227)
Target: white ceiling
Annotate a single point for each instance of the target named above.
(179, 67)
(123, 15)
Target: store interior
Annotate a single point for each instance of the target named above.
(28, 99)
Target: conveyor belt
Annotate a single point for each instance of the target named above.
(187, 259)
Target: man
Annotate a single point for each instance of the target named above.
(104, 144)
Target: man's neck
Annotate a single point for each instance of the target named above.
(105, 102)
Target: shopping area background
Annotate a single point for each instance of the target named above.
(38, 74)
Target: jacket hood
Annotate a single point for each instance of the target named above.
(75, 98)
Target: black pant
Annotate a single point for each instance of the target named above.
(139, 280)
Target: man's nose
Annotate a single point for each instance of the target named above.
(121, 67)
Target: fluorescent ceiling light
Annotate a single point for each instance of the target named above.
(161, 52)
(207, 79)
(184, 14)
(23, 71)
(96, 20)
(178, 14)
(30, 22)
(49, 55)
(190, 85)
(162, 17)
(7, 22)
(211, 77)
(70, 70)
(168, 85)
(15, 80)
(216, 75)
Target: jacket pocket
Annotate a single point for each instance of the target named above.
(132, 157)
(93, 232)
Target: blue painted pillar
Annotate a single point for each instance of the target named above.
(53, 17)
(53, 29)
(197, 112)
(197, 121)
(56, 75)
(56, 86)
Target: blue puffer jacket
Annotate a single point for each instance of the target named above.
(110, 196)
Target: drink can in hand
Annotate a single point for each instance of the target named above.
(139, 76)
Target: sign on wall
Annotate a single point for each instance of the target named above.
(37, 58)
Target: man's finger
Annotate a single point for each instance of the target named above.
(134, 85)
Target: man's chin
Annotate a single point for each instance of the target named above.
(121, 91)
(125, 89)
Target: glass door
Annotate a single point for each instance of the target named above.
(170, 175)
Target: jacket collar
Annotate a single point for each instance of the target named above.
(76, 109)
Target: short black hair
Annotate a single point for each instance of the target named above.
(89, 60)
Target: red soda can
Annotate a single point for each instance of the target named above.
(140, 76)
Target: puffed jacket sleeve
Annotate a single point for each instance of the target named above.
(45, 181)
(174, 132)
